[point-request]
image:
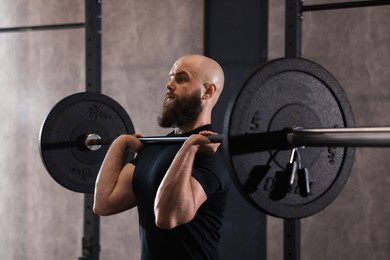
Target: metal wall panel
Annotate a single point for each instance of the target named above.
(236, 36)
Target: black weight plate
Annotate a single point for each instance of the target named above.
(281, 94)
(62, 149)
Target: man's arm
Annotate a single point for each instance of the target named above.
(113, 189)
(180, 195)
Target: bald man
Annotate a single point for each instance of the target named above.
(180, 190)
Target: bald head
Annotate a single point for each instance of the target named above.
(208, 71)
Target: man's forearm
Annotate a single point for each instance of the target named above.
(113, 191)
(110, 169)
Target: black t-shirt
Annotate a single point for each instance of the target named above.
(198, 239)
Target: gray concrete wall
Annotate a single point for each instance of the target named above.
(141, 39)
(39, 219)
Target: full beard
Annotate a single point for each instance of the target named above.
(180, 111)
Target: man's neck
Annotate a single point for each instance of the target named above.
(190, 127)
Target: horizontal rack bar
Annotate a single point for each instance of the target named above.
(354, 4)
(43, 27)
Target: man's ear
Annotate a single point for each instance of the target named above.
(209, 90)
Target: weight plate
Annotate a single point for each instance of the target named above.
(278, 95)
(62, 134)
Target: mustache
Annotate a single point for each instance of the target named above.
(170, 95)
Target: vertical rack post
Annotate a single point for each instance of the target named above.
(90, 240)
(293, 28)
(93, 42)
(293, 42)
(292, 239)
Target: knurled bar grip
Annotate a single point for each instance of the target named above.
(217, 138)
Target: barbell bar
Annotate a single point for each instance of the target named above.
(93, 142)
(356, 137)
(293, 137)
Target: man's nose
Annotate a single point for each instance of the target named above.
(170, 85)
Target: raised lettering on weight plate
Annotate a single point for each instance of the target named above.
(84, 173)
(331, 155)
(97, 112)
(255, 121)
(332, 152)
(269, 184)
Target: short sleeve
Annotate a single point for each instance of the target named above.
(211, 172)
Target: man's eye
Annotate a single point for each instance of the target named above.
(180, 79)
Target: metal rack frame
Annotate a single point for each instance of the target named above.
(293, 48)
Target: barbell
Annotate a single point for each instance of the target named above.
(288, 138)
(293, 137)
